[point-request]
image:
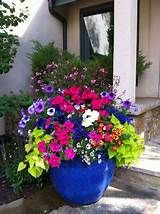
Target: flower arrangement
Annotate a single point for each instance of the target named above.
(78, 122)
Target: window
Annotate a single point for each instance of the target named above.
(96, 27)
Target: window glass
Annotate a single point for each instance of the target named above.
(97, 27)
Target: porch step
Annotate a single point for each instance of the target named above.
(143, 177)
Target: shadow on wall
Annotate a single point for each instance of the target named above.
(40, 26)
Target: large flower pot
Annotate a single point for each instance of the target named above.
(81, 184)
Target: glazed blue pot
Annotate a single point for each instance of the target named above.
(81, 184)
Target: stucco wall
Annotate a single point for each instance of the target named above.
(149, 41)
(39, 26)
(73, 23)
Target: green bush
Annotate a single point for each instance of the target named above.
(18, 180)
(43, 55)
(11, 104)
(142, 64)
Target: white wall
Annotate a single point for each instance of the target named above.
(39, 26)
(149, 40)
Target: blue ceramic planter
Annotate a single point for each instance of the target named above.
(81, 184)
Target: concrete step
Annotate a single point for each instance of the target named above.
(145, 175)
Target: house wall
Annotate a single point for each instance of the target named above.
(39, 26)
(73, 18)
(149, 41)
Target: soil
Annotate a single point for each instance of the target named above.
(7, 193)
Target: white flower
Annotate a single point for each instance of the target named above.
(89, 117)
(88, 146)
(78, 145)
(92, 154)
(51, 111)
(69, 116)
(77, 107)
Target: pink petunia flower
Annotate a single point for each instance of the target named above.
(55, 147)
(97, 103)
(42, 147)
(104, 113)
(94, 136)
(107, 138)
(47, 123)
(54, 161)
(69, 153)
(57, 100)
(68, 125)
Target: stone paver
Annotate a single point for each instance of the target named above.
(115, 201)
(150, 160)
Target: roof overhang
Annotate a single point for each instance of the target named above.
(63, 2)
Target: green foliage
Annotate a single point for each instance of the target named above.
(9, 18)
(43, 55)
(130, 149)
(34, 159)
(19, 180)
(142, 63)
(13, 103)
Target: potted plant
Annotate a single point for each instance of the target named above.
(80, 137)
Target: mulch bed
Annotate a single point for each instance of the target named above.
(8, 195)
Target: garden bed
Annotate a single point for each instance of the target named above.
(7, 193)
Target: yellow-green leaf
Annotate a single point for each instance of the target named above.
(28, 147)
(40, 163)
(35, 171)
(21, 166)
(47, 138)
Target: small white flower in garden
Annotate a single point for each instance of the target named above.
(82, 152)
(75, 150)
(69, 116)
(83, 106)
(92, 154)
(51, 111)
(88, 146)
(77, 107)
(78, 145)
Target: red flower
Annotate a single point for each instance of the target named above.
(97, 104)
(57, 100)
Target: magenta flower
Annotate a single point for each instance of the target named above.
(69, 153)
(55, 147)
(54, 161)
(42, 147)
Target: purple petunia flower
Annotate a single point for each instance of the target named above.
(22, 124)
(127, 104)
(48, 89)
(111, 95)
(31, 110)
(25, 118)
(39, 106)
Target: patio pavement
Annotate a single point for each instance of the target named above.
(115, 201)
